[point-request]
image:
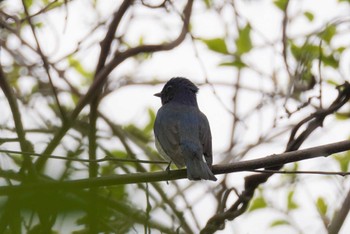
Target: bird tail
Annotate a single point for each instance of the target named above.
(197, 169)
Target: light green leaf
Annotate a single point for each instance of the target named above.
(79, 67)
(279, 222)
(341, 49)
(343, 160)
(321, 206)
(119, 154)
(309, 15)
(328, 33)
(330, 61)
(291, 204)
(208, 3)
(243, 42)
(149, 127)
(342, 115)
(281, 4)
(235, 63)
(216, 44)
(257, 203)
(332, 82)
(28, 3)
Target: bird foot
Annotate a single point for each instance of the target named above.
(168, 167)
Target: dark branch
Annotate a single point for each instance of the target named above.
(24, 144)
(268, 161)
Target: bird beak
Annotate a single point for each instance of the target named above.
(158, 94)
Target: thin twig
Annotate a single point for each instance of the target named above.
(107, 158)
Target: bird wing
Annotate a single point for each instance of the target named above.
(167, 134)
(205, 138)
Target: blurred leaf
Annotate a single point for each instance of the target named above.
(291, 167)
(118, 154)
(28, 3)
(309, 15)
(321, 206)
(343, 160)
(279, 222)
(235, 63)
(17, 159)
(107, 169)
(149, 127)
(141, 40)
(341, 49)
(332, 82)
(342, 115)
(306, 53)
(243, 42)
(281, 4)
(208, 3)
(216, 44)
(116, 192)
(330, 60)
(328, 33)
(291, 204)
(75, 98)
(257, 203)
(74, 63)
(138, 133)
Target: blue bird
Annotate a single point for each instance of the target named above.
(182, 131)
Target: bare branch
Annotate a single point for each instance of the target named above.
(248, 165)
(339, 216)
(24, 144)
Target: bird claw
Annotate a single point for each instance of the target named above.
(168, 167)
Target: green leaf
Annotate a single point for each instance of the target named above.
(208, 3)
(305, 53)
(279, 222)
(28, 3)
(138, 133)
(149, 127)
(281, 4)
(342, 115)
(74, 63)
(321, 206)
(237, 62)
(332, 82)
(309, 15)
(257, 203)
(328, 33)
(216, 44)
(330, 61)
(341, 49)
(119, 154)
(291, 204)
(343, 160)
(243, 42)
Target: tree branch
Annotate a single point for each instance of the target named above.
(339, 216)
(248, 165)
(24, 144)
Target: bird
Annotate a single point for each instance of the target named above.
(182, 131)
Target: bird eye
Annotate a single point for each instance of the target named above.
(169, 88)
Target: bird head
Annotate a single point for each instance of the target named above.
(180, 90)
